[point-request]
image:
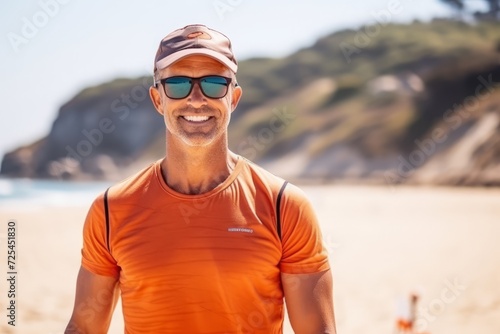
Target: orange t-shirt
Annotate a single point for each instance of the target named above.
(206, 263)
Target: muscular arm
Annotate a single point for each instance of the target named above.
(309, 302)
(95, 300)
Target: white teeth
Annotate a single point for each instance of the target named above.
(196, 118)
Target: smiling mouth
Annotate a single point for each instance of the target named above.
(196, 119)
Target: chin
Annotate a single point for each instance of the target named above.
(197, 141)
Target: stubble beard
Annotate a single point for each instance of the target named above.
(198, 138)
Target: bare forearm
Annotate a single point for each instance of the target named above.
(95, 301)
(309, 300)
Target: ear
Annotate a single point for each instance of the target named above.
(236, 96)
(155, 96)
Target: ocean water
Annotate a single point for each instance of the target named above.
(30, 194)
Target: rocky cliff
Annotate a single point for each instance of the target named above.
(417, 103)
(97, 134)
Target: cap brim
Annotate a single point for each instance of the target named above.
(169, 60)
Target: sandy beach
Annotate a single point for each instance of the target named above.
(383, 243)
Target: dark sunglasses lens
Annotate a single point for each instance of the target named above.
(214, 86)
(177, 87)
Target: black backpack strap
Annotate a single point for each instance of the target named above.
(106, 214)
(278, 209)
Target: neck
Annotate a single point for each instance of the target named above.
(196, 170)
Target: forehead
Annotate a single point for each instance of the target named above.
(195, 66)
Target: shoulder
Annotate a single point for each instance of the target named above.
(295, 196)
(290, 191)
(128, 193)
(260, 176)
(135, 185)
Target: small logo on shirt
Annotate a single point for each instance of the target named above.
(240, 229)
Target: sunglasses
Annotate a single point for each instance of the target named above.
(212, 86)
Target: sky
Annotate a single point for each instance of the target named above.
(52, 49)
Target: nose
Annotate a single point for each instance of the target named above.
(196, 98)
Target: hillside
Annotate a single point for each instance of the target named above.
(415, 103)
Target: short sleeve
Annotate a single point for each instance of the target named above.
(95, 255)
(302, 244)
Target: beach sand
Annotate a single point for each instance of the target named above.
(383, 243)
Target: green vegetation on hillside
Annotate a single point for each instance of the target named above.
(351, 114)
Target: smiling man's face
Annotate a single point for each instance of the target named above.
(196, 120)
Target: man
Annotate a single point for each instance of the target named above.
(202, 241)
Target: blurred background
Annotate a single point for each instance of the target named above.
(386, 112)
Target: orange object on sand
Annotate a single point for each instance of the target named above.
(406, 315)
